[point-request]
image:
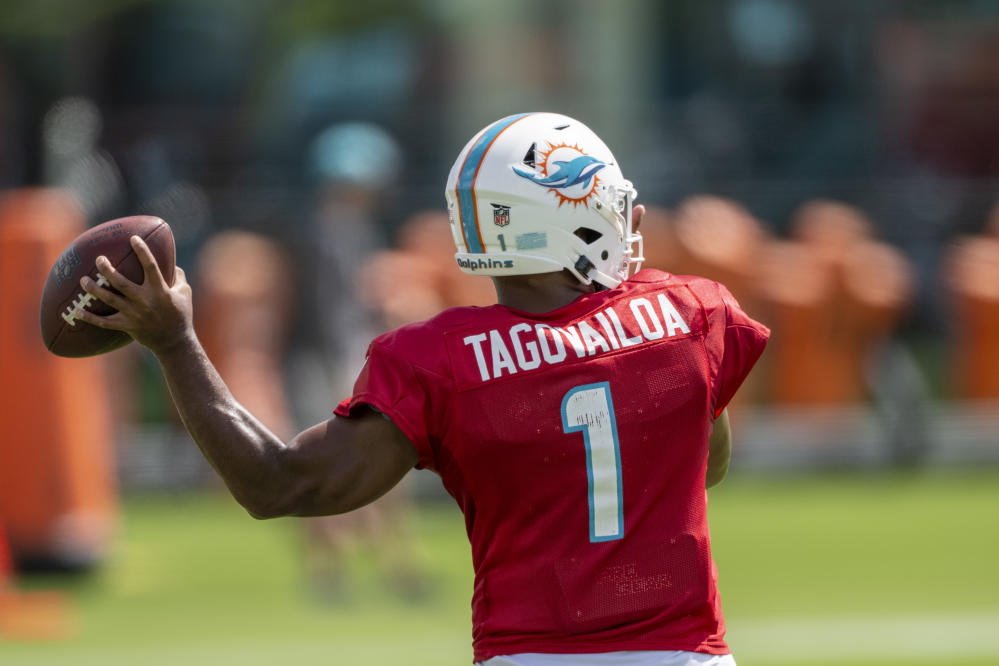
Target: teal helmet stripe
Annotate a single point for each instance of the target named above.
(466, 181)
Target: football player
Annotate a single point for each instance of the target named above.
(577, 422)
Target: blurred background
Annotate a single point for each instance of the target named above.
(836, 165)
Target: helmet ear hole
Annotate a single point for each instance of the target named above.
(588, 235)
(604, 255)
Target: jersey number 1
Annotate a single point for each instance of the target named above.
(589, 408)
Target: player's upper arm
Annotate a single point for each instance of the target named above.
(340, 465)
(719, 450)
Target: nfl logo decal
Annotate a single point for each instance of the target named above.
(501, 215)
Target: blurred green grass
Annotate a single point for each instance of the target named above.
(878, 569)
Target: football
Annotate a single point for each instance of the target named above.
(63, 297)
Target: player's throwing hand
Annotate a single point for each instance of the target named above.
(156, 314)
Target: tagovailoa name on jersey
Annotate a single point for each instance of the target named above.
(525, 346)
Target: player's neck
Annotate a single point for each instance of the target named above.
(539, 293)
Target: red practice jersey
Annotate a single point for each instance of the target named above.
(576, 444)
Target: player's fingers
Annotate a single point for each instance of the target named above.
(113, 322)
(637, 215)
(148, 261)
(179, 276)
(97, 290)
(115, 278)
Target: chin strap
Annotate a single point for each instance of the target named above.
(583, 266)
(588, 270)
(606, 281)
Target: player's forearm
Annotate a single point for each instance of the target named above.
(245, 453)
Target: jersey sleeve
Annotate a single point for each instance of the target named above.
(743, 342)
(392, 386)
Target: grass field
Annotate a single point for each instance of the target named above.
(850, 570)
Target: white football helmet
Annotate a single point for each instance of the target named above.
(539, 192)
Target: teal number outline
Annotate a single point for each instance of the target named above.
(568, 429)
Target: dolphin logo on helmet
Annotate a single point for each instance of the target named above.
(578, 171)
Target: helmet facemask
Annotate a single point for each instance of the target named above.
(610, 262)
